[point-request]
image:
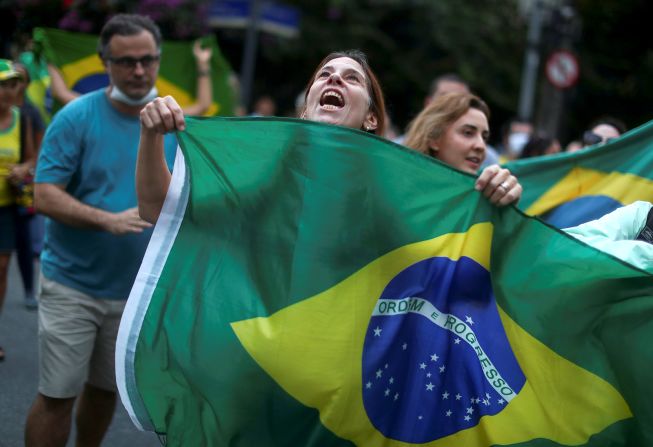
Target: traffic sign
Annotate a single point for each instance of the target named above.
(276, 18)
(562, 69)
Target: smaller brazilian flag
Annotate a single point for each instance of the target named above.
(75, 54)
(312, 285)
(569, 189)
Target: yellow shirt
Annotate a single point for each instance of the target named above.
(9, 155)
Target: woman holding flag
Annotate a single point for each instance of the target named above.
(343, 91)
(454, 129)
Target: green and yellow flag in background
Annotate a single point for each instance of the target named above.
(310, 285)
(75, 54)
(570, 189)
(37, 90)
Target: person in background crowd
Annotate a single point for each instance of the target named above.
(95, 239)
(391, 132)
(454, 129)
(63, 94)
(514, 135)
(17, 157)
(573, 146)
(264, 106)
(602, 131)
(26, 228)
(443, 84)
(540, 144)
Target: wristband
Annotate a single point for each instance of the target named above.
(201, 73)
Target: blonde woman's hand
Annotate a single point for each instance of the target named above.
(499, 185)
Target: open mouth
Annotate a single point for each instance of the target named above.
(475, 160)
(332, 100)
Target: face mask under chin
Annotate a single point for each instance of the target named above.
(118, 95)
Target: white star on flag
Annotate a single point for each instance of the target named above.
(422, 365)
(377, 331)
(467, 418)
(445, 395)
(469, 320)
(457, 341)
(442, 368)
(392, 380)
(458, 396)
(448, 413)
(429, 386)
(368, 385)
(387, 392)
(470, 410)
(434, 358)
(404, 346)
(379, 373)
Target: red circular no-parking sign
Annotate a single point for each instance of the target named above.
(562, 69)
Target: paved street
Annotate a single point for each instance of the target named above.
(19, 377)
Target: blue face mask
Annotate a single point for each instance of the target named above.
(120, 96)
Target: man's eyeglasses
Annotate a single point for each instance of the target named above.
(131, 62)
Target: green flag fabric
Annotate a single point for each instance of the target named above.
(570, 189)
(311, 285)
(75, 54)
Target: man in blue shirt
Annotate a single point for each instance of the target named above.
(95, 239)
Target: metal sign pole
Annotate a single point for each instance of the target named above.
(249, 54)
(531, 64)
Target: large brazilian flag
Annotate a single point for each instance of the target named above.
(311, 285)
(75, 54)
(570, 189)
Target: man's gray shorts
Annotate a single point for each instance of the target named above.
(77, 340)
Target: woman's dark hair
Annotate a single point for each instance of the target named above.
(126, 25)
(377, 103)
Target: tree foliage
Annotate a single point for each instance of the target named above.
(616, 62)
(409, 42)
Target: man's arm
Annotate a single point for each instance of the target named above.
(53, 201)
